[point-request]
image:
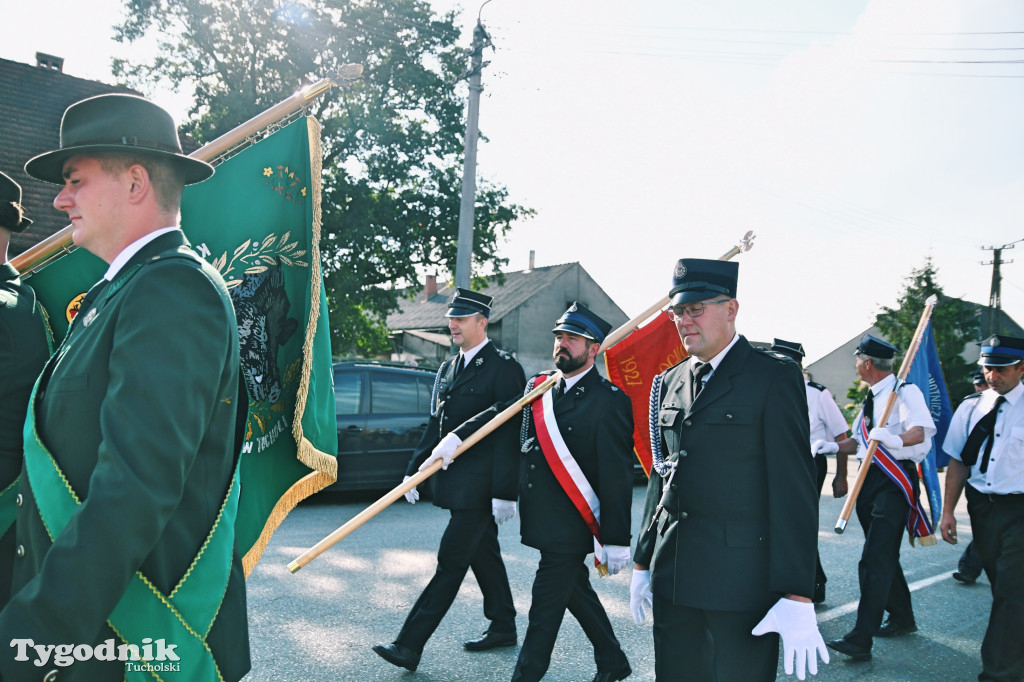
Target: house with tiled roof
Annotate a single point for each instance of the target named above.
(523, 313)
(32, 100)
(835, 370)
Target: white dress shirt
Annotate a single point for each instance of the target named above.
(1005, 474)
(910, 410)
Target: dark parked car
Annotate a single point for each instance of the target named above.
(382, 412)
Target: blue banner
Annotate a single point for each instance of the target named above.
(926, 374)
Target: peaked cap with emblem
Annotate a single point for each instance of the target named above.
(10, 193)
(1001, 351)
(793, 349)
(582, 321)
(978, 377)
(875, 347)
(116, 123)
(698, 279)
(465, 303)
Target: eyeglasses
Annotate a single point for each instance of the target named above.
(694, 310)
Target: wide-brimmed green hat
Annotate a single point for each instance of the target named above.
(116, 123)
(10, 192)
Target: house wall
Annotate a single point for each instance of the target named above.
(537, 316)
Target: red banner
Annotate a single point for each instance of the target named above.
(632, 365)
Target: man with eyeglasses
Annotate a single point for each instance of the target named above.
(889, 500)
(985, 443)
(726, 553)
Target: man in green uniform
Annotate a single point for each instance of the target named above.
(125, 526)
(24, 347)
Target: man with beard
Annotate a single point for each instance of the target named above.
(479, 486)
(575, 492)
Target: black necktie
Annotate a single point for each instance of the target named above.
(700, 370)
(460, 364)
(869, 410)
(559, 389)
(982, 430)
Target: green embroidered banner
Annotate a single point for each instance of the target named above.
(257, 220)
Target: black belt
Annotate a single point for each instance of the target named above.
(999, 498)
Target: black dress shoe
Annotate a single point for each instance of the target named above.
(491, 640)
(854, 651)
(890, 629)
(396, 654)
(620, 674)
(965, 578)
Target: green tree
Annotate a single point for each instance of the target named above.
(393, 143)
(954, 324)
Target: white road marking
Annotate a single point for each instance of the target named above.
(839, 611)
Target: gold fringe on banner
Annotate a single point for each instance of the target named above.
(324, 466)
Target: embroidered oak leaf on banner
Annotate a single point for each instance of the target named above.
(254, 256)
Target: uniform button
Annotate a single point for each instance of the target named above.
(19, 500)
(683, 515)
(687, 422)
(728, 416)
(533, 466)
(20, 551)
(569, 429)
(683, 453)
(529, 485)
(50, 676)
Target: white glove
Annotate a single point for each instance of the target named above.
(640, 596)
(444, 451)
(824, 447)
(615, 557)
(796, 624)
(412, 495)
(891, 441)
(503, 510)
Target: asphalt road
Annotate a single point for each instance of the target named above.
(320, 623)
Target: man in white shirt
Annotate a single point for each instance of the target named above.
(828, 428)
(985, 443)
(886, 497)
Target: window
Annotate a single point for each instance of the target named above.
(347, 389)
(394, 394)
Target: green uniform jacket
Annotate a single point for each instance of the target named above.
(740, 524)
(24, 348)
(140, 414)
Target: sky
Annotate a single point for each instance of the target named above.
(854, 138)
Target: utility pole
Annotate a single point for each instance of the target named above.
(464, 257)
(994, 301)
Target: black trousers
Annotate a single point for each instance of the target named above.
(821, 469)
(695, 645)
(969, 564)
(882, 511)
(469, 541)
(998, 524)
(563, 582)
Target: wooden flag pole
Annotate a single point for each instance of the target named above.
(59, 243)
(420, 476)
(908, 360)
(634, 324)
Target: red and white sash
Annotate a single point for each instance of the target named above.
(918, 522)
(565, 468)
